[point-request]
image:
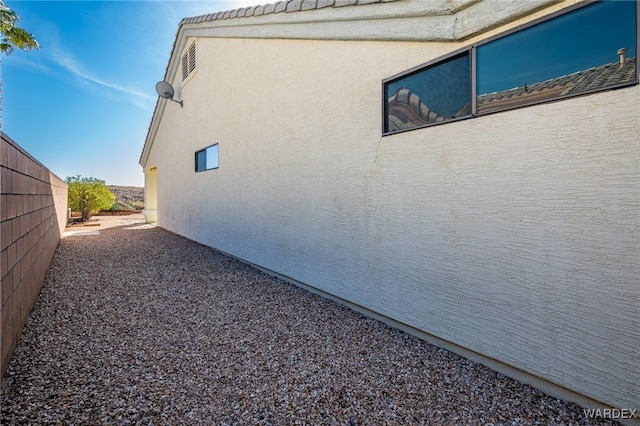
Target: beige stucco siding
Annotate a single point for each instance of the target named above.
(515, 235)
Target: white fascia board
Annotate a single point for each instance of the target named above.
(158, 111)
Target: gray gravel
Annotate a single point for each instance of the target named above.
(140, 326)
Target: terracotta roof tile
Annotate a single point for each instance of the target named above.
(578, 82)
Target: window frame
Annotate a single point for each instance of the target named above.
(204, 150)
(473, 69)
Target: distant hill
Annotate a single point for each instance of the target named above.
(128, 197)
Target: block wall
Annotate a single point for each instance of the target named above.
(33, 216)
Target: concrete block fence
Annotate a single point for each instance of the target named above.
(33, 216)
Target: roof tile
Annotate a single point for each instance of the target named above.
(578, 82)
(325, 3)
(281, 6)
(309, 4)
(277, 7)
(294, 5)
(340, 3)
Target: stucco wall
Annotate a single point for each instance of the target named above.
(514, 235)
(33, 216)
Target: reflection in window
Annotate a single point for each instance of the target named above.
(585, 50)
(431, 95)
(588, 49)
(207, 158)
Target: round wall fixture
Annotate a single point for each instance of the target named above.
(165, 90)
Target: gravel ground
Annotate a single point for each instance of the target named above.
(140, 326)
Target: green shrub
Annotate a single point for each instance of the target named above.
(88, 196)
(119, 206)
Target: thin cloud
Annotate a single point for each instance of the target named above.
(168, 14)
(69, 63)
(26, 63)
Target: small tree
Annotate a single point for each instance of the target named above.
(89, 195)
(13, 36)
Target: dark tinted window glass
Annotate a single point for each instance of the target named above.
(434, 94)
(572, 54)
(201, 160)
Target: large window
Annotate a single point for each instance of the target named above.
(590, 48)
(207, 158)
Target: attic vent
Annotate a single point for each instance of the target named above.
(189, 61)
(192, 57)
(185, 66)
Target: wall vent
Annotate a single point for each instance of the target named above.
(189, 61)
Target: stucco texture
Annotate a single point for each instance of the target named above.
(514, 235)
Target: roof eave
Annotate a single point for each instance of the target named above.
(421, 21)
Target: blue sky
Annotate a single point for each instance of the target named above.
(82, 104)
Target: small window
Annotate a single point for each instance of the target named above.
(433, 94)
(207, 158)
(189, 61)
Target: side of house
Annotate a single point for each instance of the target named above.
(511, 237)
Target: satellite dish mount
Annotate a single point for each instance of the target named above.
(165, 90)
